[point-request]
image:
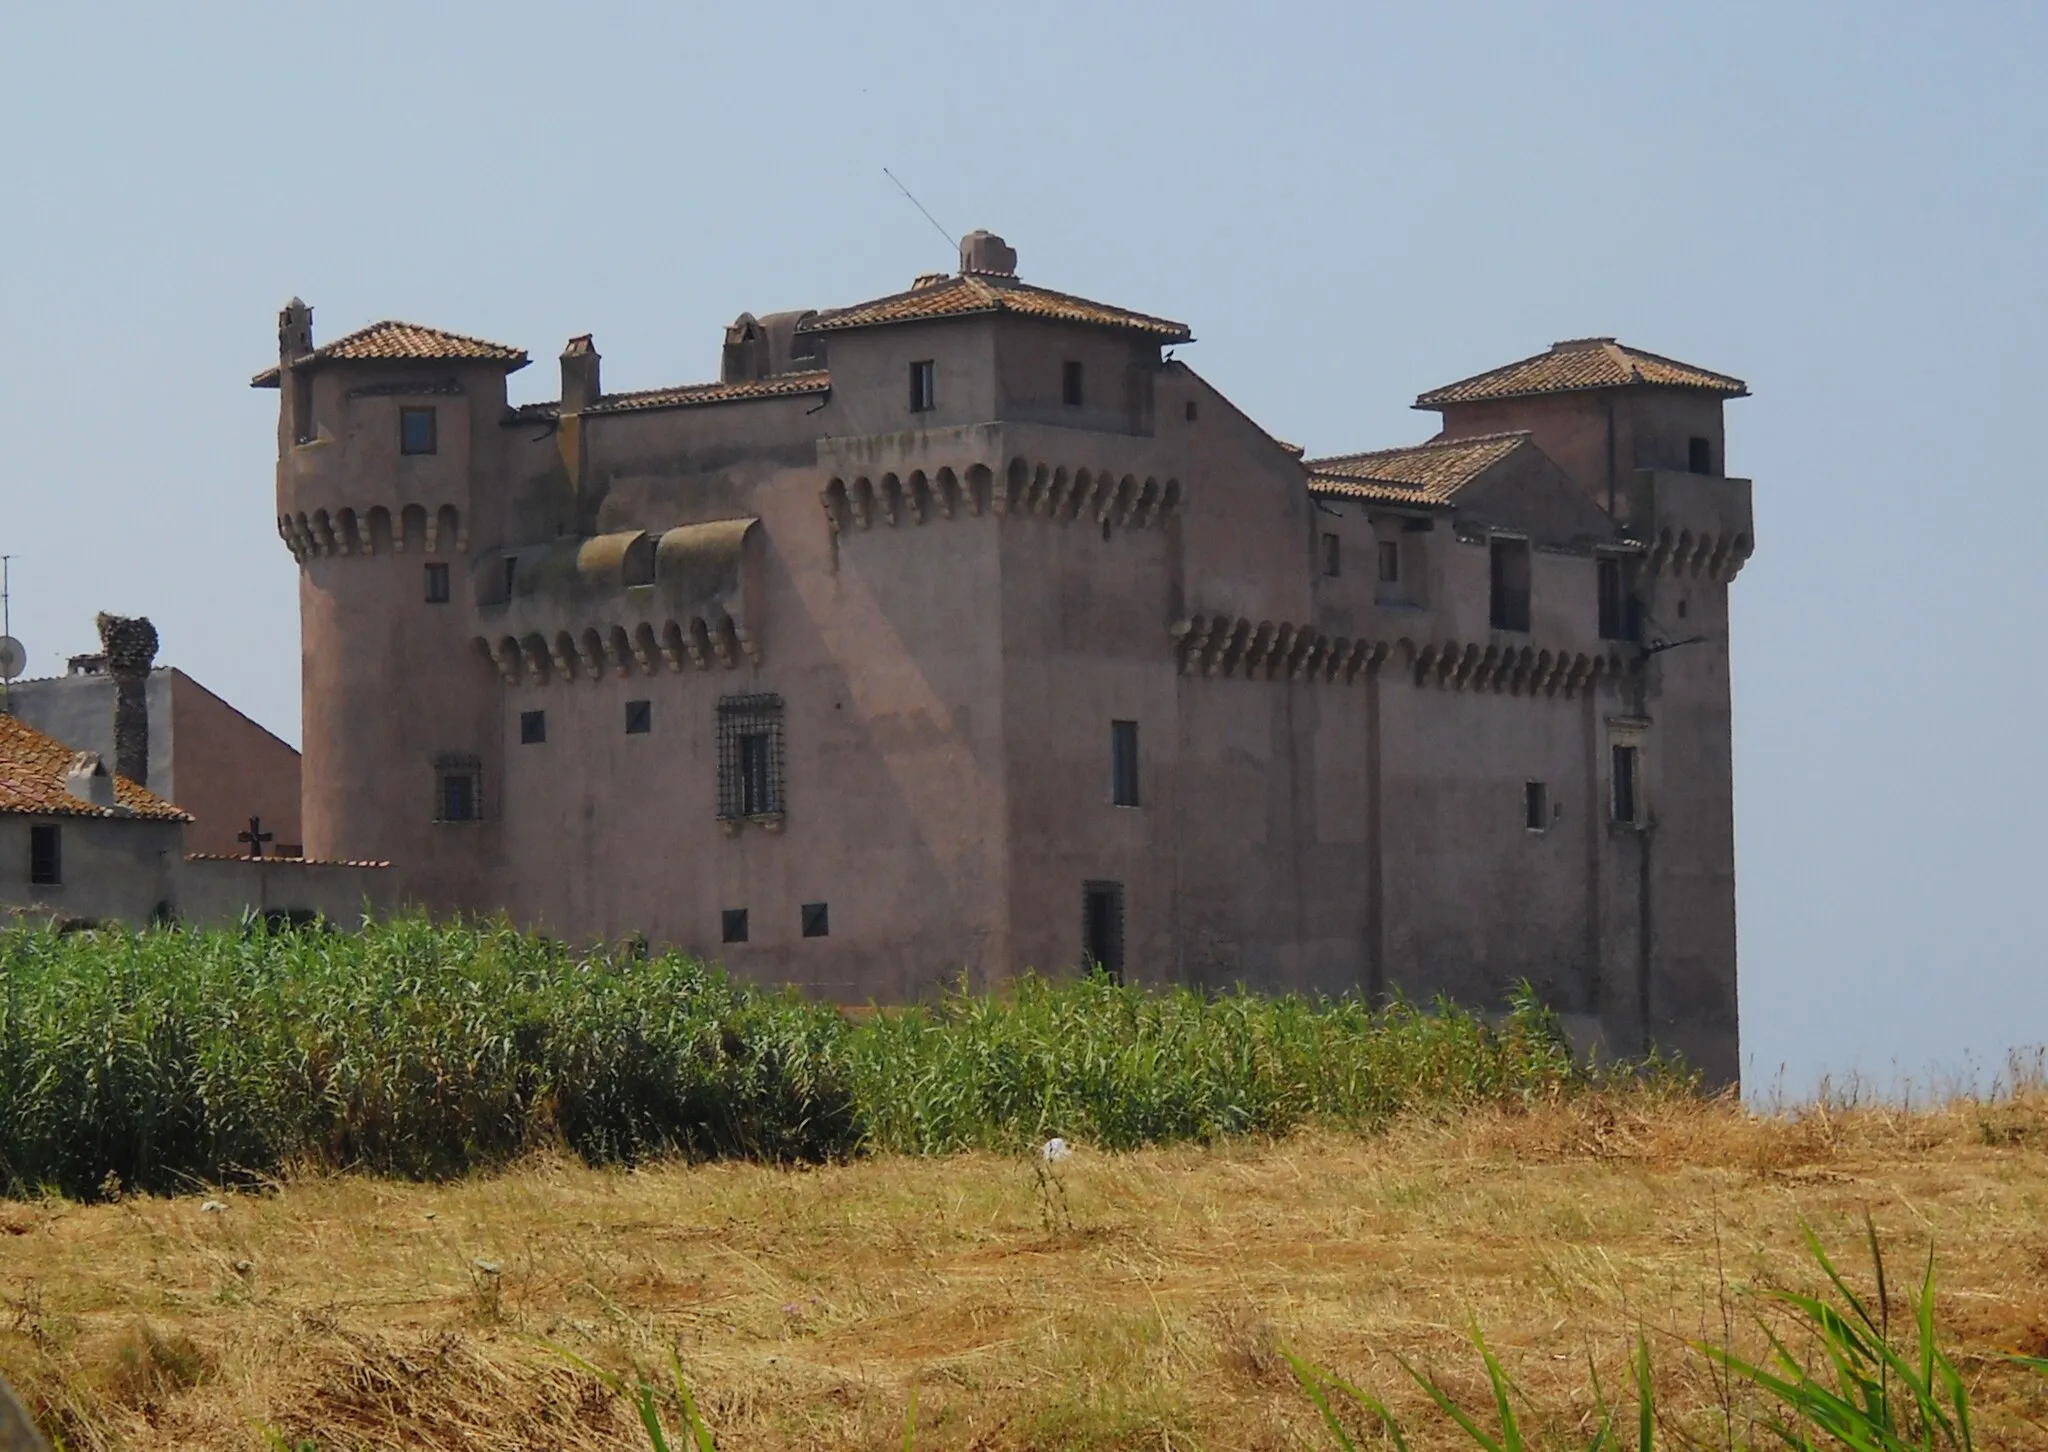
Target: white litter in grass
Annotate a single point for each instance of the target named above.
(213, 1207)
(1056, 1149)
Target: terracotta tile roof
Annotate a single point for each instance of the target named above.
(1428, 473)
(966, 294)
(689, 395)
(1581, 363)
(408, 341)
(32, 771)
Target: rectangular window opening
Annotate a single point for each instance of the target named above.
(1390, 562)
(924, 395)
(1699, 455)
(458, 792)
(417, 433)
(639, 717)
(45, 854)
(1333, 558)
(533, 727)
(437, 584)
(1123, 763)
(1510, 584)
(1071, 393)
(1102, 928)
(1627, 789)
(817, 920)
(732, 925)
(1191, 410)
(1536, 806)
(750, 778)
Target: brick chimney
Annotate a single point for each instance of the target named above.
(130, 646)
(580, 386)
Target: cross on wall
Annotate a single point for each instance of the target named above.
(255, 837)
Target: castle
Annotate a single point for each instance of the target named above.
(967, 630)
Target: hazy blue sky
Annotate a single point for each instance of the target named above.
(1847, 205)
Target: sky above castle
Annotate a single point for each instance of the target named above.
(1349, 204)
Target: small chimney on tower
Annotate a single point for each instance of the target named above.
(580, 387)
(130, 646)
(984, 253)
(294, 331)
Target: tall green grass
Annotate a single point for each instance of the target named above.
(159, 1059)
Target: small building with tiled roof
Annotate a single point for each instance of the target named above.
(969, 629)
(82, 842)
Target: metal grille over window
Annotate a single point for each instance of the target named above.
(750, 758)
(458, 789)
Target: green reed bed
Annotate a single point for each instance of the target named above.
(160, 1059)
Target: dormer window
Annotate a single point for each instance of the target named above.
(1071, 392)
(1699, 455)
(923, 386)
(417, 433)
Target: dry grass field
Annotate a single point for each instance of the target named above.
(1140, 1303)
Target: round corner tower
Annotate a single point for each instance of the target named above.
(386, 441)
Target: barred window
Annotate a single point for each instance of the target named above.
(749, 757)
(458, 789)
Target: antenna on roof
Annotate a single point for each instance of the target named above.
(12, 657)
(951, 240)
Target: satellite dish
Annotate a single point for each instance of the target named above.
(13, 659)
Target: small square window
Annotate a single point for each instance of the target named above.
(732, 925)
(639, 717)
(1123, 763)
(45, 855)
(1536, 806)
(816, 920)
(416, 431)
(437, 584)
(1333, 559)
(1390, 562)
(533, 727)
(1071, 393)
(923, 386)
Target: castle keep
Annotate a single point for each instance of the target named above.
(966, 630)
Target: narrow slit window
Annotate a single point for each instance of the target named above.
(732, 925)
(437, 583)
(1123, 763)
(417, 431)
(1102, 928)
(45, 854)
(1617, 610)
(1510, 584)
(1536, 806)
(1072, 393)
(924, 395)
(1390, 562)
(1333, 557)
(1191, 411)
(1627, 787)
